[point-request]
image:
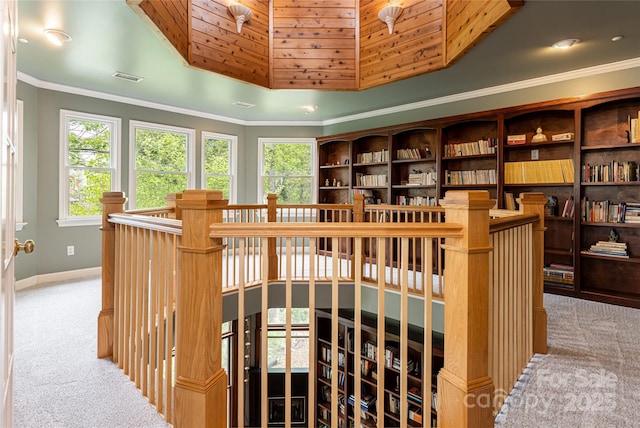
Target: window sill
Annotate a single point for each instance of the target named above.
(73, 222)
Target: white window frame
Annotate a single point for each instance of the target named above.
(314, 176)
(233, 156)
(64, 220)
(191, 157)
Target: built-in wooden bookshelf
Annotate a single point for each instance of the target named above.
(590, 131)
(419, 409)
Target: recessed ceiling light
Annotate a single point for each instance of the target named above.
(128, 77)
(57, 37)
(616, 38)
(23, 40)
(310, 109)
(243, 104)
(566, 43)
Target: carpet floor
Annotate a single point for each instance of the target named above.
(591, 374)
(59, 381)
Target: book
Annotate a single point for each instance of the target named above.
(513, 140)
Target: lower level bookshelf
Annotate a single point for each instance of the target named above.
(419, 408)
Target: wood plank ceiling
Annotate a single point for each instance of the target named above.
(323, 44)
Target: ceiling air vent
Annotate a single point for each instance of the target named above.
(125, 76)
(243, 104)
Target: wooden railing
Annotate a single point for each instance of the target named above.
(491, 270)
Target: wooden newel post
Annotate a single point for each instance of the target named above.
(201, 382)
(358, 208)
(112, 202)
(171, 199)
(272, 217)
(465, 389)
(534, 203)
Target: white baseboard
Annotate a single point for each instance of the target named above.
(58, 277)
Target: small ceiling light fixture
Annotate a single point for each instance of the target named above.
(57, 37)
(388, 15)
(566, 43)
(617, 38)
(310, 109)
(241, 13)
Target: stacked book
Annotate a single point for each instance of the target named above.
(479, 176)
(413, 394)
(632, 212)
(559, 273)
(367, 402)
(609, 249)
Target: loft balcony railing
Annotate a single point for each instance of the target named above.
(165, 273)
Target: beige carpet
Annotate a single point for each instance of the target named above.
(591, 375)
(59, 382)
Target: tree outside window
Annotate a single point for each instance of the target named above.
(89, 157)
(287, 169)
(162, 159)
(276, 338)
(219, 163)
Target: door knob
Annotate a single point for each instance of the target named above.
(27, 247)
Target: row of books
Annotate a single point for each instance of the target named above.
(325, 373)
(373, 157)
(608, 212)
(423, 179)
(613, 172)
(369, 350)
(569, 208)
(543, 171)
(556, 272)
(608, 248)
(479, 176)
(422, 201)
(325, 352)
(368, 368)
(634, 129)
(371, 180)
(412, 154)
(480, 147)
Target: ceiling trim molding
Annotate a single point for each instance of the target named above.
(462, 96)
(493, 90)
(42, 84)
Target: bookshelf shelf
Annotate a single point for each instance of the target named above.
(468, 186)
(609, 147)
(540, 185)
(403, 161)
(334, 166)
(483, 156)
(609, 183)
(610, 225)
(634, 260)
(537, 145)
(558, 251)
(413, 186)
(557, 218)
(334, 188)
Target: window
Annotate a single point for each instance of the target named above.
(162, 161)
(89, 159)
(286, 169)
(219, 163)
(276, 340)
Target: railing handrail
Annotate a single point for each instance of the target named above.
(338, 230)
(503, 223)
(159, 224)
